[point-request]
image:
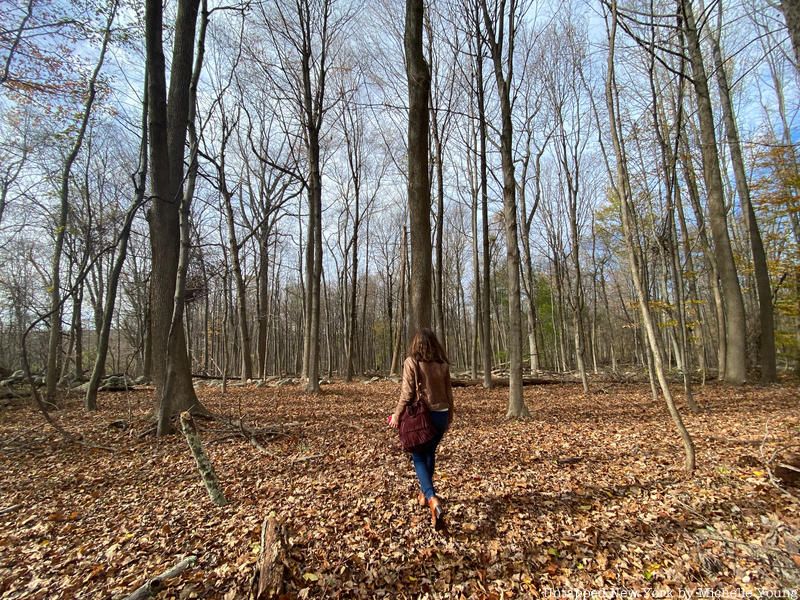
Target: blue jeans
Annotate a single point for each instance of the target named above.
(425, 457)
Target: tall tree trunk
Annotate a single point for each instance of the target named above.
(388, 295)
(365, 294)
(735, 324)
(316, 241)
(529, 280)
(486, 310)
(419, 201)
(328, 340)
(77, 328)
(147, 340)
(238, 277)
(351, 125)
(168, 118)
(313, 71)
(593, 326)
(263, 303)
(352, 309)
(516, 403)
(476, 275)
(694, 297)
(175, 353)
(767, 359)
(206, 320)
(225, 329)
(708, 256)
(578, 302)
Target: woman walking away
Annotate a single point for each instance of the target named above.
(427, 367)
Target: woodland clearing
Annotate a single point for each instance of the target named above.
(589, 493)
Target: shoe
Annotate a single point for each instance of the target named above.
(421, 499)
(437, 512)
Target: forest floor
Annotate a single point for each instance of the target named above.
(623, 516)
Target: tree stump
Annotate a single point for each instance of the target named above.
(268, 579)
(201, 458)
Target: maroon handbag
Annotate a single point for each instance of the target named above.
(416, 427)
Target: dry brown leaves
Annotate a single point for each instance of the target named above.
(520, 524)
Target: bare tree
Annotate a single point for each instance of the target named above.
(763, 287)
(304, 35)
(419, 198)
(54, 347)
(501, 49)
(571, 124)
(168, 117)
(139, 182)
(735, 333)
(530, 176)
(623, 190)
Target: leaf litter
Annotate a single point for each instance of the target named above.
(588, 494)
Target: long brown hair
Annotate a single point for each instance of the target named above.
(426, 347)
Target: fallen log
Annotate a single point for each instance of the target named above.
(268, 578)
(497, 382)
(156, 584)
(201, 458)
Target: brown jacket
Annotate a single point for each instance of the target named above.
(435, 378)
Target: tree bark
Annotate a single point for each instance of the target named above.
(156, 584)
(578, 302)
(77, 328)
(668, 240)
(735, 324)
(767, 358)
(419, 199)
(529, 279)
(313, 74)
(201, 458)
(486, 309)
(353, 139)
(477, 330)
(268, 581)
(791, 12)
(168, 116)
(314, 264)
(263, 303)
(516, 403)
(438, 304)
